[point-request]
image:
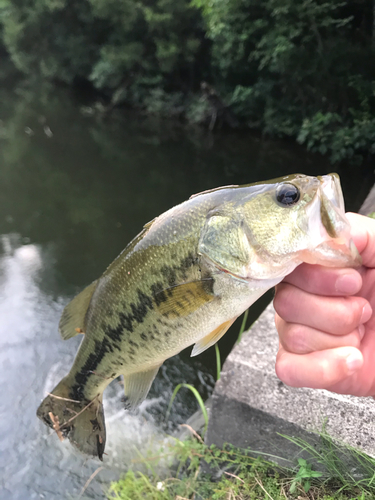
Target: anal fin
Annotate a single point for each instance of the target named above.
(211, 338)
(137, 385)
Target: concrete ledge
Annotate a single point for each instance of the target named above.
(369, 203)
(251, 406)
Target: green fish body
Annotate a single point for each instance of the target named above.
(184, 280)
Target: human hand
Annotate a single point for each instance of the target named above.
(326, 322)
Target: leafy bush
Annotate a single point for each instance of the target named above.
(288, 68)
(298, 69)
(108, 42)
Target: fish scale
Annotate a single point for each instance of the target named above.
(184, 280)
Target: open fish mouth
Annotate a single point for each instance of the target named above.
(337, 248)
(338, 253)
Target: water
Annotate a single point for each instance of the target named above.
(74, 190)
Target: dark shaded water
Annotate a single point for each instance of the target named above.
(74, 191)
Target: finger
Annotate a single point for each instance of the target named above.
(318, 370)
(300, 339)
(335, 315)
(325, 280)
(363, 234)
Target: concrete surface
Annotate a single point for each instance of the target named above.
(369, 203)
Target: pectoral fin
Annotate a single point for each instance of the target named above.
(212, 338)
(181, 300)
(72, 320)
(137, 385)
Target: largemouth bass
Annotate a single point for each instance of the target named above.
(184, 280)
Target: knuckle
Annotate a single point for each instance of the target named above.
(353, 340)
(294, 339)
(283, 301)
(283, 370)
(350, 313)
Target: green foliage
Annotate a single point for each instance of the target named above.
(198, 397)
(56, 39)
(298, 69)
(109, 42)
(328, 133)
(303, 476)
(243, 326)
(288, 68)
(198, 110)
(165, 104)
(344, 465)
(236, 474)
(218, 362)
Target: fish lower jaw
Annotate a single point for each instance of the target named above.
(337, 252)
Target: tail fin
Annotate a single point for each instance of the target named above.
(82, 422)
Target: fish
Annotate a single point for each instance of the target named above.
(183, 280)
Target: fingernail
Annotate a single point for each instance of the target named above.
(366, 313)
(347, 284)
(361, 331)
(354, 362)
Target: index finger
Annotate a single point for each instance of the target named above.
(322, 280)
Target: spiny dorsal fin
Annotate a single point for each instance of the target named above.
(211, 338)
(149, 224)
(181, 300)
(213, 190)
(72, 319)
(137, 385)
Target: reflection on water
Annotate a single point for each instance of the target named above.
(74, 191)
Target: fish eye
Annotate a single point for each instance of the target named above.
(287, 194)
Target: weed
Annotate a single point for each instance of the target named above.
(237, 474)
(218, 362)
(198, 398)
(303, 476)
(243, 325)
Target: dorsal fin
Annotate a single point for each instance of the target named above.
(72, 319)
(214, 189)
(149, 224)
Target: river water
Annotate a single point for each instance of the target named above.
(74, 189)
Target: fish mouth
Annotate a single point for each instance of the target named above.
(336, 253)
(331, 187)
(337, 248)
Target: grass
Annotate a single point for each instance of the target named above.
(243, 325)
(236, 475)
(218, 362)
(198, 397)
